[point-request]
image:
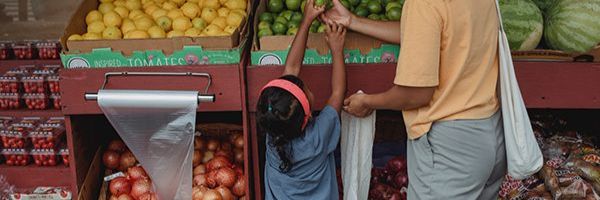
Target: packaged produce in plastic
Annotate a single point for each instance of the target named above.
(27, 122)
(24, 50)
(47, 136)
(64, 155)
(34, 84)
(15, 137)
(56, 101)
(37, 101)
(53, 84)
(10, 101)
(45, 157)
(10, 84)
(55, 120)
(588, 172)
(5, 51)
(5, 121)
(48, 49)
(16, 157)
(46, 193)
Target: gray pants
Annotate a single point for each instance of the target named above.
(459, 159)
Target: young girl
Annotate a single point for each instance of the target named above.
(299, 156)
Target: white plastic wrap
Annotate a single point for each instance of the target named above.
(158, 127)
(357, 149)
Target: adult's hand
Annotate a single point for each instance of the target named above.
(356, 105)
(338, 14)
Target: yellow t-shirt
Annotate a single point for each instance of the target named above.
(451, 45)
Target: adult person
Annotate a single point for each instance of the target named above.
(445, 85)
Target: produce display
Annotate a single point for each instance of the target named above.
(135, 19)
(389, 182)
(218, 169)
(30, 86)
(565, 25)
(283, 17)
(571, 169)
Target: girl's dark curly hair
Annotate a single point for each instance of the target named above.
(280, 116)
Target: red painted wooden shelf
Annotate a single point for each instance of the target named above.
(31, 113)
(33, 176)
(16, 63)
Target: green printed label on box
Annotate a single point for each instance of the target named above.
(189, 55)
(386, 54)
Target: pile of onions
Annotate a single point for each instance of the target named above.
(136, 186)
(118, 157)
(387, 182)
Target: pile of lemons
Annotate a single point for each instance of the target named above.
(139, 19)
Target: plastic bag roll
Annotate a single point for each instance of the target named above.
(158, 127)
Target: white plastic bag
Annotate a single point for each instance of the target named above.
(524, 157)
(158, 127)
(357, 149)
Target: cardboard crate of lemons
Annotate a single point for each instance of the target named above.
(140, 19)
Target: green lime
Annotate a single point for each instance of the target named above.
(354, 2)
(293, 4)
(264, 32)
(374, 16)
(313, 29)
(315, 23)
(320, 2)
(302, 6)
(321, 28)
(393, 5)
(294, 22)
(329, 4)
(385, 2)
(287, 14)
(345, 3)
(292, 31)
(365, 2)
(279, 28)
(275, 6)
(382, 17)
(266, 17)
(297, 16)
(362, 11)
(264, 25)
(292, 25)
(374, 7)
(282, 20)
(394, 14)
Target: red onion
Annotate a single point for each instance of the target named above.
(125, 197)
(239, 188)
(117, 146)
(127, 160)
(396, 164)
(217, 162)
(212, 195)
(111, 159)
(212, 145)
(199, 143)
(200, 169)
(211, 180)
(238, 170)
(239, 142)
(400, 180)
(223, 153)
(197, 158)
(112, 197)
(200, 180)
(136, 173)
(238, 155)
(208, 155)
(225, 176)
(140, 187)
(119, 186)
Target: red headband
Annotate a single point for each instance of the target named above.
(296, 91)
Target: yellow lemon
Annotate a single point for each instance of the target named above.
(112, 32)
(127, 26)
(193, 1)
(175, 13)
(212, 30)
(91, 36)
(222, 33)
(135, 13)
(75, 37)
(122, 11)
(209, 14)
(92, 16)
(119, 3)
(214, 4)
(221, 22)
(106, 1)
(148, 4)
(112, 19)
(203, 34)
(175, 33)
(182, 24)
(239, 11)
(201, 4)
(234, 19)
(236, 4)
(106, 7)
(169, 5)
(96, 27)
(223, 12)
(199, 23)
(222, 2)
(138, 34)
(150, 9)
(133, 4)
(164, 22)
(230, 29)
(143, 23)
(190, 10)
(178, 2)
(159, 13)
(156, 32)
(160, 1)
(192, 32)
(143, 15)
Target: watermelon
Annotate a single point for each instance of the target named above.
(573, 26)
(544, 5)
(523, 24)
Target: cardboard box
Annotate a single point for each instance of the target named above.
(273, 50)
(148, 52)
(556, 55)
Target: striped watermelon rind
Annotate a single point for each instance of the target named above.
(573, 25)
(523, 24)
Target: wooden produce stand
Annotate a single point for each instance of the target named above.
(544, 85)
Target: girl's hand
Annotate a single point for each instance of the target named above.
(338, 14)
(311, 12)
(335, 36)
